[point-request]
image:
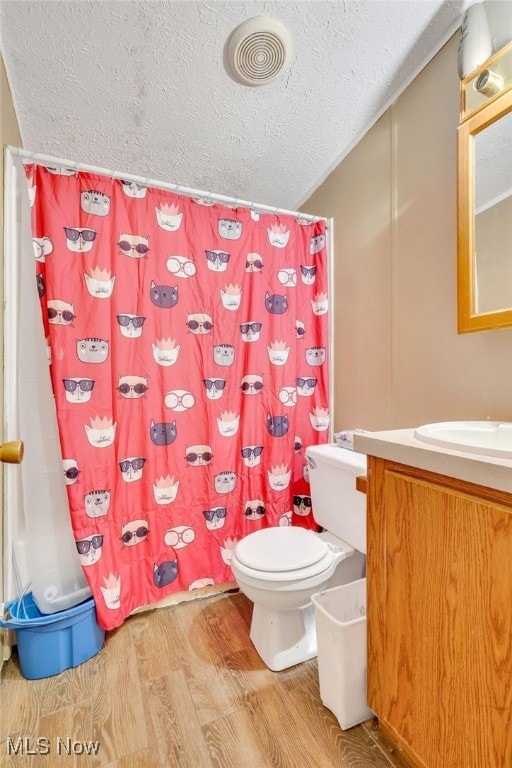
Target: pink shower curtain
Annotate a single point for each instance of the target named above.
(188, 348)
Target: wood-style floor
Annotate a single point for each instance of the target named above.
(181, 687)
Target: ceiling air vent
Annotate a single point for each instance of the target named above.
(258, 51)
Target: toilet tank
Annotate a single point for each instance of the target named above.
(337, 505)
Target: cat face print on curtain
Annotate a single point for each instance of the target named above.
(189, 366)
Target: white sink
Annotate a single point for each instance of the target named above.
(490, 438)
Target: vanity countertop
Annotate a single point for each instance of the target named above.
(400, 445)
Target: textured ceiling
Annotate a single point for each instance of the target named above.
(140, 87)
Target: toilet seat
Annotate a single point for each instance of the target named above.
(283, 554)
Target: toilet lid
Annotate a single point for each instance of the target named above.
(280, 549)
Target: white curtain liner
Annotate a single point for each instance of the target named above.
(40, 548)
(177, 188)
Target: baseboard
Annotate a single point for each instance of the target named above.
(187, 596)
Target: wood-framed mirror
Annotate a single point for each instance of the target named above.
(484, 220)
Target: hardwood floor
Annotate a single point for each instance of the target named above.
(181, 687)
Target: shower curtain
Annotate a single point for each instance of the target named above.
(188, 355)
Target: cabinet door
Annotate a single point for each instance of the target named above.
(440, 617)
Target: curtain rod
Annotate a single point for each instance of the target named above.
(177, 188)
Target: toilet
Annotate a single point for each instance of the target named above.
(279, 569)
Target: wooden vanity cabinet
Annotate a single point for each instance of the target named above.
(439, 577)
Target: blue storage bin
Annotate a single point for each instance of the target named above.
(50, 643)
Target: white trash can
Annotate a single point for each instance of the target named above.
(340, 617)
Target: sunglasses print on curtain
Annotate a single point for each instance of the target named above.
(189, 370)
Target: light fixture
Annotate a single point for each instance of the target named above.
(489, 83)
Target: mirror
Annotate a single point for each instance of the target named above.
(485, 217)
(493, 217)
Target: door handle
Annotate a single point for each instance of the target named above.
(12, 452)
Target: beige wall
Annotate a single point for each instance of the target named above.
(9, 134)
(399, 361)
